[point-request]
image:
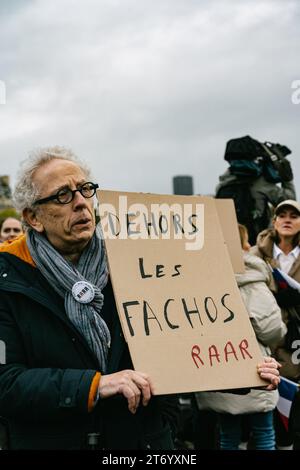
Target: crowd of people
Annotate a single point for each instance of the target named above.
(68, 381)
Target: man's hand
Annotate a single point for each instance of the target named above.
(130, 383)
(268, 370)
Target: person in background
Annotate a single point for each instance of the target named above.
(10, 229)
(258, 178)
(258, 405)
(279, 246)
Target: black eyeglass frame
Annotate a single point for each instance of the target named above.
(71, 192)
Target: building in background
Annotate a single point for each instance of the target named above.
(183, 185)
(5, 193)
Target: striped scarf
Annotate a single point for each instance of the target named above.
(62, 275)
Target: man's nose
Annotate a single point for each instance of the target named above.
(79, 200)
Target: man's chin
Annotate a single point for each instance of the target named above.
(83, 235)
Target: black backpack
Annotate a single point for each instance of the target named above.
(247, 156)
(243, 148)
(244, 202)
(240, 192)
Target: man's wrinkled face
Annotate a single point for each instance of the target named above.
(68, 227)
(287, 222)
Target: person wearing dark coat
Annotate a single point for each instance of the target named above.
(67, 381)
(66, 377)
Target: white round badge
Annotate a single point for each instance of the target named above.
(83, 292)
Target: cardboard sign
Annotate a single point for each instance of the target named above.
(229, 226)
(178, 302)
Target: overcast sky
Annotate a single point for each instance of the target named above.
(147, 89)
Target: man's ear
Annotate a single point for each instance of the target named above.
(31, 218)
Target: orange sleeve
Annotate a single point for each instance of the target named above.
(93, 391)
(19, 248)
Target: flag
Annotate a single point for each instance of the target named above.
(287, 391)
(284, 280)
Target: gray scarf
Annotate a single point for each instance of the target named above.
(62, 275)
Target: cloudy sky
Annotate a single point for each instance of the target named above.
(147, 89)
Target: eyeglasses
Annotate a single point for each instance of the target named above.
(66, 195)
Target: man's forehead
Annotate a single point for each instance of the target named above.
(58, 172)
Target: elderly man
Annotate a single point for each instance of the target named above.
(68, 381)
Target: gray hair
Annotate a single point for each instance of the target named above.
(26, 191)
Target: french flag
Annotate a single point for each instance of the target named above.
(284, 280)
(287, 391)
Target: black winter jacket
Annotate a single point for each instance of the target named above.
(45, 382)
